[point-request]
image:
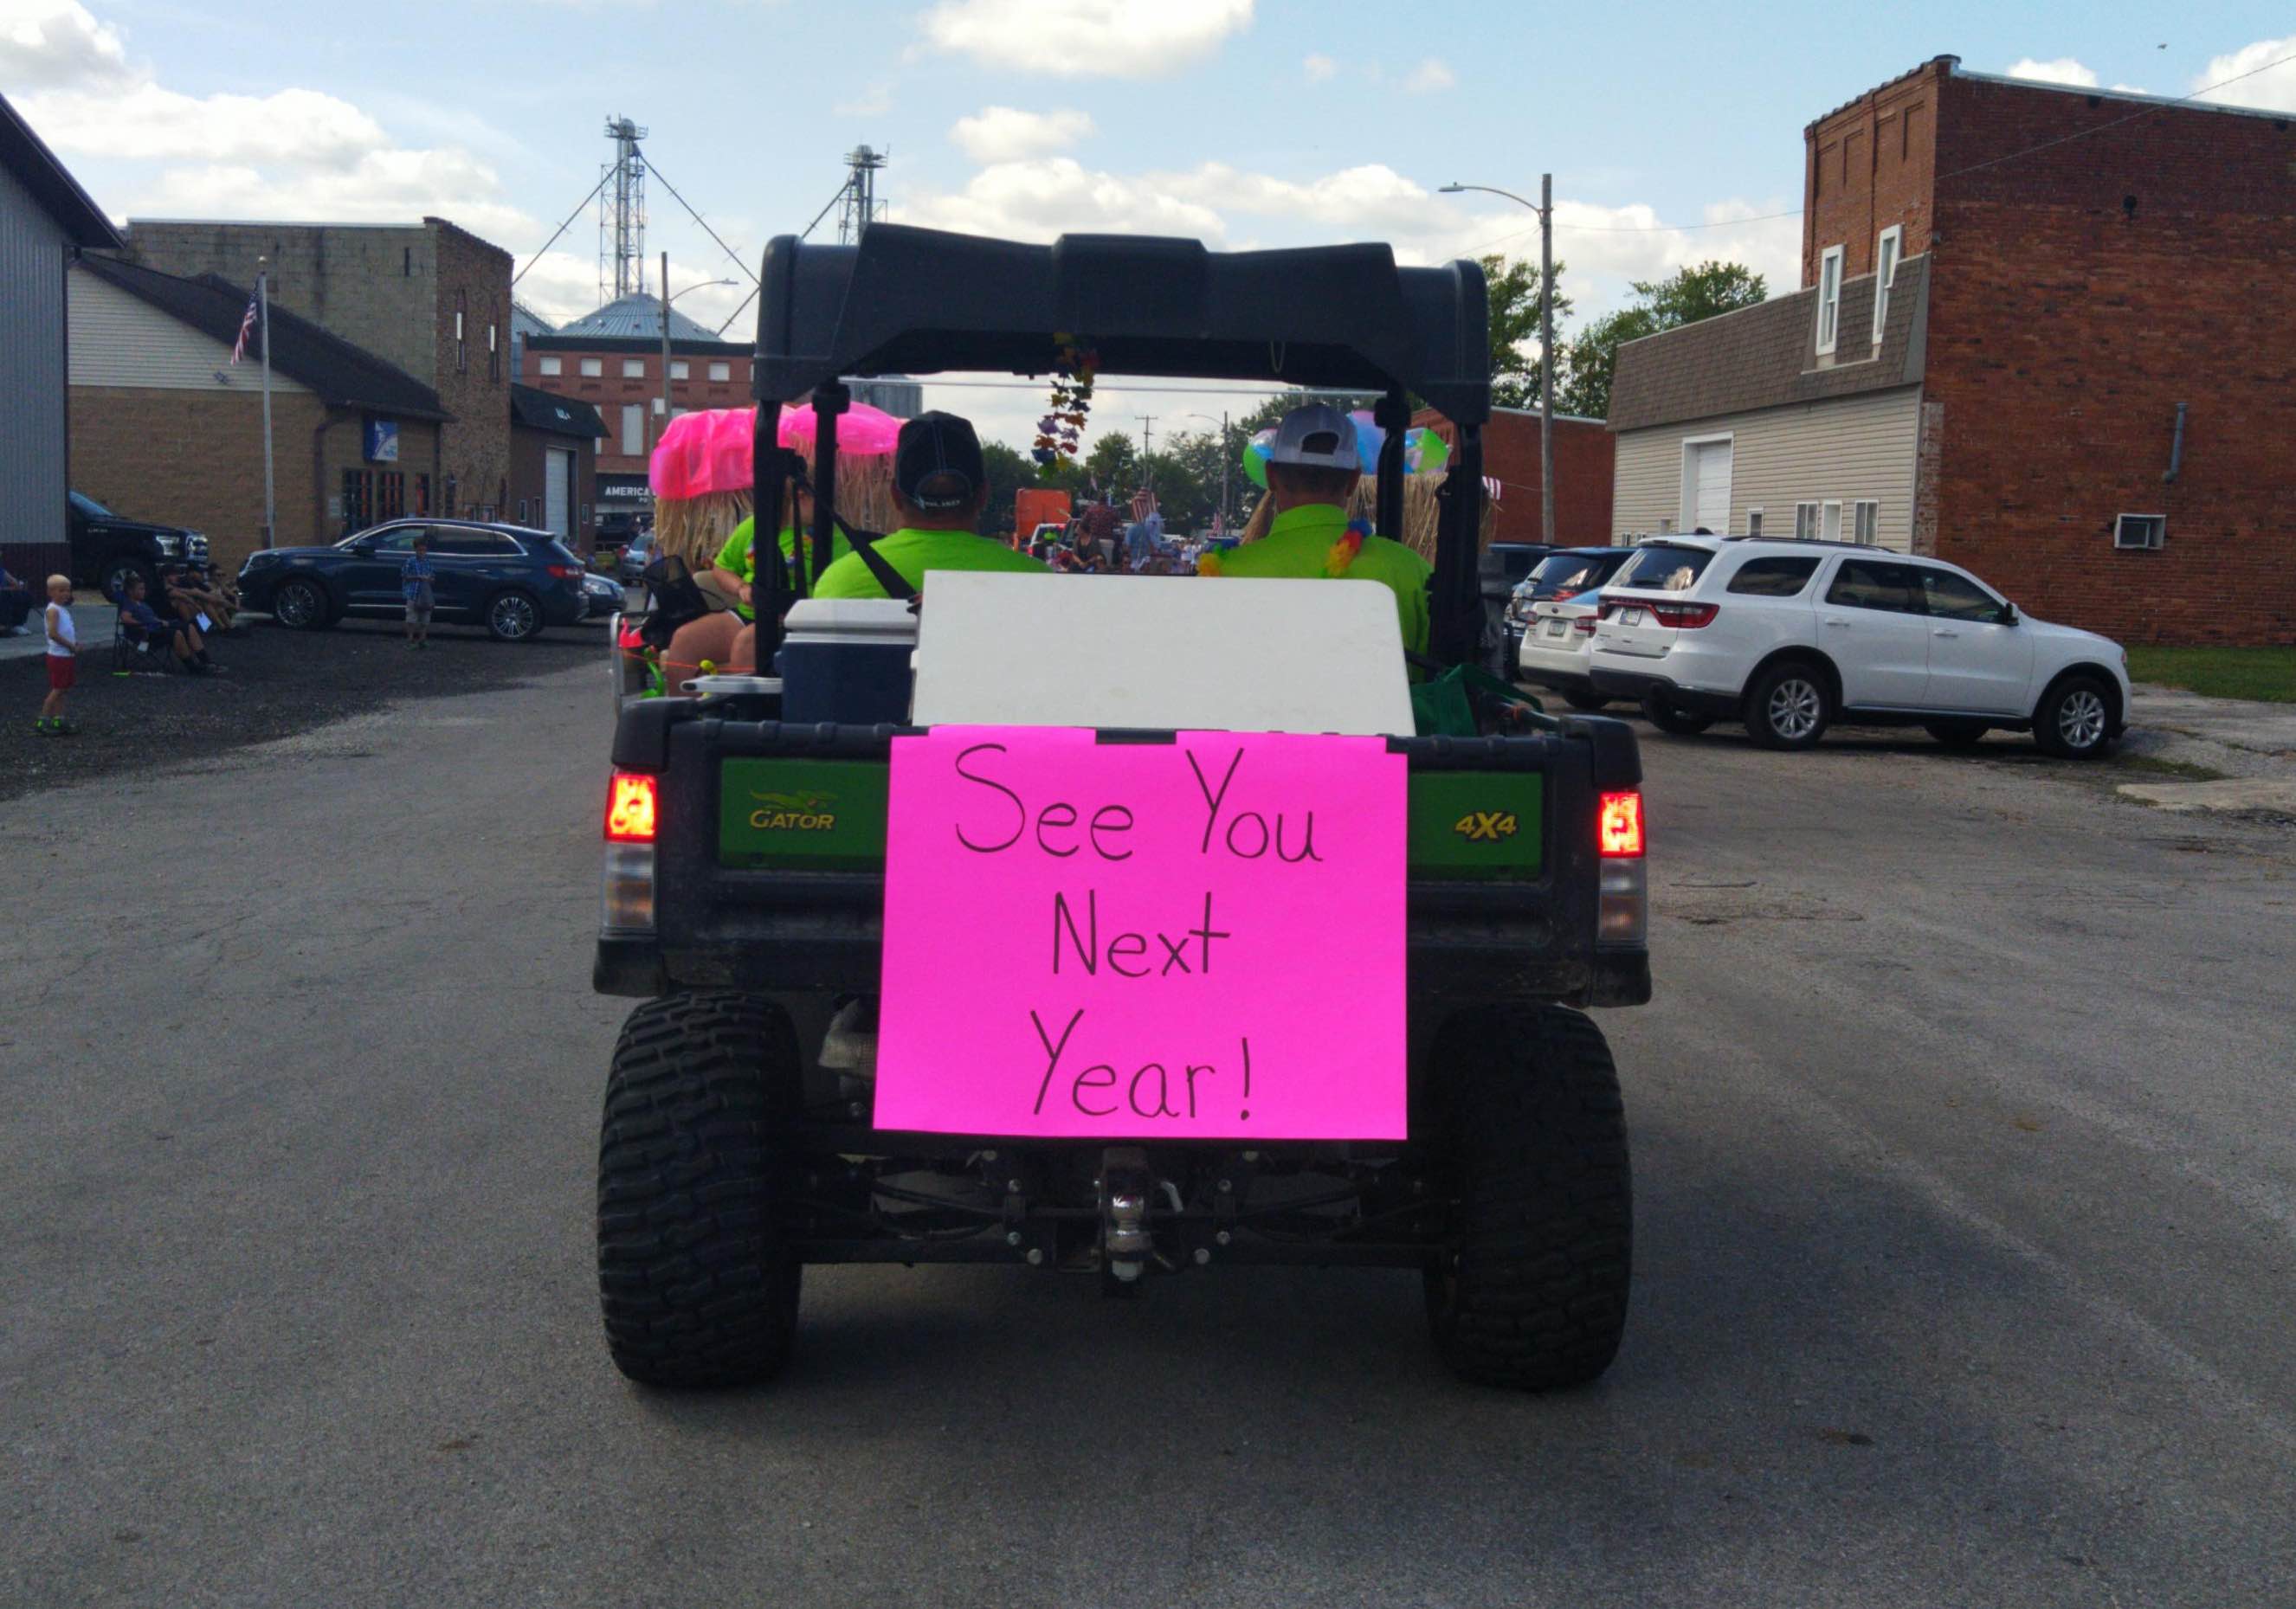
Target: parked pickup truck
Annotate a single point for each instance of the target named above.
(108, 547)
(749, 828)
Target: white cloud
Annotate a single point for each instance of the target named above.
(2061, 70)
(380, 187)
(301, 126)
(1429, 75)
(2274, 89)
(873, 101)
(1319, 68)
(48, 43)
(1040, 199)
(1004, 134)
(1086, 38)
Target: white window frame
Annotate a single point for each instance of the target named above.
(633, 368)
(1754, 522)
(1889, 251)
(679, 369)
(1829, 300)
(1805, 522)
(1865, 528)
(1689, 486)
(2158, 533)
(720, 371)
(553, 367)
(1829, 520)
(634, 429)
(593, 368)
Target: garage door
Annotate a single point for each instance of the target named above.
(1709, 487)
(558, 494)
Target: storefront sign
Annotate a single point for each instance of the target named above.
(1187, 940)
(381, 440)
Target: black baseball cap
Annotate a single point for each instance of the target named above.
(933, 445)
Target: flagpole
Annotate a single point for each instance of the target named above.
(270, 503)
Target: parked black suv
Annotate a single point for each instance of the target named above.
(512, 580)
(107, 549)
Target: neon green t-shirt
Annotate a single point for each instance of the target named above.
(1298, 544)
(735, 555)
(917, 554)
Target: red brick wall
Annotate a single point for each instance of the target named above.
(1584, 451)
(1868, 165)
(609, 391)
(2064, 329)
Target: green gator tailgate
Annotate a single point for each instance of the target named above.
(829, 815)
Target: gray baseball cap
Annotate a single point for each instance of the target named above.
(1318, 435)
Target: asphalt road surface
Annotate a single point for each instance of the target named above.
(1963, 1131)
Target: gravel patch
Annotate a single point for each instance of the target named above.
(276, 684)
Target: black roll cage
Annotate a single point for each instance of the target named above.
(913, 301)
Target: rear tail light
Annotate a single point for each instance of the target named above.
(562, 572)
(1684, 617)
(1619, 829)
(630, 803)
(1585, 623)
(1622, 907)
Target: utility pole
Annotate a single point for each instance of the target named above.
(1147, 445)
(1227, 458)
(665, 347)
(1546, 358)
(270, 496)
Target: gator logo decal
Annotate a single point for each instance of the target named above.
(1485, 826)
(794, 812)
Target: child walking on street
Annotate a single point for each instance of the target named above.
(63, 659)
(415, 579)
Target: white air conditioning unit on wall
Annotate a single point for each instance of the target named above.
(2140, 531)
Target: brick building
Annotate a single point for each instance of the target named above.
(1583, 449)
(165, 427)
(428, 298)
(611, 360)
(2042, 332)
(553, 465)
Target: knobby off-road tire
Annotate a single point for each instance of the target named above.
(696, 1279)
(1531, 1288)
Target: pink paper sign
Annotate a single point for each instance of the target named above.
(1193, 940)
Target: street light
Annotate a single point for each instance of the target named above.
(666, 299)
(1544, 208)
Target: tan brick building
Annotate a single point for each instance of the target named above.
(431, 299)
(2042, 332)
(165, 427)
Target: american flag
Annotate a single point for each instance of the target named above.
(1143, 503)
(246, 328)
(1220, 522)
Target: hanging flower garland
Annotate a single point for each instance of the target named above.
(1061, 432)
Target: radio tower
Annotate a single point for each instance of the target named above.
(621, 214)
(861, 206)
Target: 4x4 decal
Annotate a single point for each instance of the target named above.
(1485, 826)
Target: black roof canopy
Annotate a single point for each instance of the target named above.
(923, 301)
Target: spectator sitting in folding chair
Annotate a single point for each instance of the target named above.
(143, 632)
(193, 592)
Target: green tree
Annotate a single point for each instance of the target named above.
(1515, 297)
(1008, 472)
(1113, 462)
(1586, 364)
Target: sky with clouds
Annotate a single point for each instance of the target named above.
(1674, 131)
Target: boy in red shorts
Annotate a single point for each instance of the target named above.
(63, 658)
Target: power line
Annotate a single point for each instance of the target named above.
(2078, 134)
(655, 168)
(563, 227)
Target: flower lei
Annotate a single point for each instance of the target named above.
(1343, 554)
(1061, 430)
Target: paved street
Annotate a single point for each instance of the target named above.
(1965, 1141)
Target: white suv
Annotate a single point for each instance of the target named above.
(1789, 636)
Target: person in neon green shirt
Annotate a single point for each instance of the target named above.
(941, 485)
(1312, 468)
(736, 565)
